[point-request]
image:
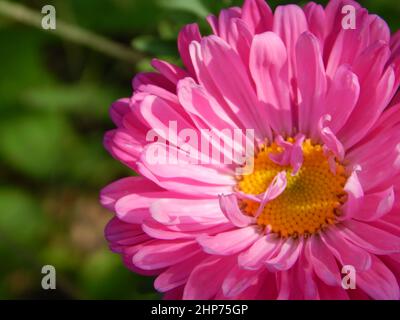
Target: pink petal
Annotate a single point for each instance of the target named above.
(395, 45)
(322, 261)
(184, 186)
(121, 234)
(296, 159)
(161, 254)
(240, 38)
(286, 256)
(289, 23)
(285, 284)
(230, 208)
(274, 190)
(257, 15)
(316, 19)
(174, 294)
(182, 231)
(123, 187)
(224, 21)
(211, 271)
(143, 79)
(238, 280)
(182, 169)
(329, 138)
(327, 292)
(268, 67)
(172, 72)
(374, 98)
(379, 282)
(312, 82)
(305, 283)
(158, 114)
(255, 256)
(342, 97)
(123, 147)
(233, 83)
(371, 238)
(177, 274)
(355, 196)
(186, 211)
(345, 251)
(188, 34)
(375, 205)
(118, 109)
(231, 242)
(131, 197)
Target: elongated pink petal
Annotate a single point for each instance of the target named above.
(162, 254)
(228, 243)
(238, 280)
(268, 67)
(312, 82)
(177, 274)
(118, 109)
(345, 251)
(230, 208)
(188, 34)
(274, 190)
(371, 238)
(172, 72)
(322, 261)
(287, 255)
(185, 211)
(375, 205)
(379, 282)
(341, 97)
(355, 194)
(257, 15)
(236, 90)
(255, 256)
(211, 271)
(329, 138)
(289, 23)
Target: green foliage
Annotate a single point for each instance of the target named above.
(37, 144)
(21, 220)
(54, 101)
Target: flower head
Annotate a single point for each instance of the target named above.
(322, 180)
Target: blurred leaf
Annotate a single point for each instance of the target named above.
(114, 15)
(21, 218)
(154, 46)
(194, 6)
(167, 30)
(104, 277)
(93, 166)
(21, 64)
(144, 65)
(36, 144)
(60, 255)
(87, 99)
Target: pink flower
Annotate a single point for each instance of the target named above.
(323, 192)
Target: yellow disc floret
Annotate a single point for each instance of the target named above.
(311, 200)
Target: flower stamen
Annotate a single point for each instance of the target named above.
(311, 200)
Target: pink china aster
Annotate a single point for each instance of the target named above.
(324, 105)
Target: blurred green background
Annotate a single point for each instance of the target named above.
(54, 101)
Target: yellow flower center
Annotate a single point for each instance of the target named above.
(311, 200)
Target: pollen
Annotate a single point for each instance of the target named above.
(312, 198)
